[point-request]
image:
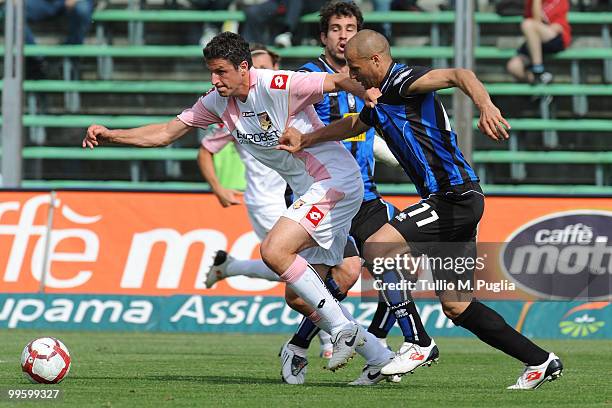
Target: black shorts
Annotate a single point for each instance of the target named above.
(372, 215)
(443, 226)
(550, 47)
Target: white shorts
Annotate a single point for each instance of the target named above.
(263, 218)
(326, 211)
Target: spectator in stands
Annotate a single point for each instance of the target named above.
(278, 19)
(78, 13)
(546, 31)
(203, 34)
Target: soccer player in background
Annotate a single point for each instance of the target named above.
(256, 106)
(416, 127)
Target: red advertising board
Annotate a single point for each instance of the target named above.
(162, 243)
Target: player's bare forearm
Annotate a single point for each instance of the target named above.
(207, 169)
(466, 80)
(342, 82)
(463, 79)
(155, 135)
(339, 130)
(159, 134)
(491, 121)
(293, 141)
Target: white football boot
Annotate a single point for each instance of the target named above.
(345, 342)
(534, 376)
(371, 375)
(293, 367)
(217, 269)
(410, 357)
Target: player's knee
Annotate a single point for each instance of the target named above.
(269, 255)
(372, 248)
(452, 310)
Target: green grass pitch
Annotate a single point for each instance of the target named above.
(211, 370)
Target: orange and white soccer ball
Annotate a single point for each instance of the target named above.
(45, 360)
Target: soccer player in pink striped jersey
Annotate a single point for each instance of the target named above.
(256, 106)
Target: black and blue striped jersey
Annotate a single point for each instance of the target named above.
(418, 132)
(337, 105)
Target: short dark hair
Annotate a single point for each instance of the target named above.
(342, 9)
(258, 48)
(228, 46)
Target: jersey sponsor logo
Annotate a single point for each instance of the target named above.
(314, 216)
(264, 120)
(248, 114)
(360, 137)
(279, 81)
(261, 138)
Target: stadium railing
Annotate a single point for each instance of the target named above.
(515, 158)
(105, 53)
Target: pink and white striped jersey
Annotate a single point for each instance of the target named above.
(276, 99)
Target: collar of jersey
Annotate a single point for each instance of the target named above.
(385, 81)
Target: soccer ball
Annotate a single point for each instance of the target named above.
(45, 360)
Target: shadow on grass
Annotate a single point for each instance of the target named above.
(211, 379)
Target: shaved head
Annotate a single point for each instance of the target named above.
(368, 57)
(367, 43)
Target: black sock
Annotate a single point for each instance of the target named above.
(382, 321)
(420, 336)
(491, 328)
(304, 334)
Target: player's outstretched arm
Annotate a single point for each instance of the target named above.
(340, 81)
(491, 121)
(294, 141)
(225, 196)
(158, 134)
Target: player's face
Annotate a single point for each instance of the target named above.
(362, 70)
(341, 29)
(264, 61)
(226, 78)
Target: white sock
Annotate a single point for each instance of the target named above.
(325, 339)
(383, 341)
(374, 352)
(252, 268)
(304, 280)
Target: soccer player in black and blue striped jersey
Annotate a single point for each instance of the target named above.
(416, 128)
(339, 22)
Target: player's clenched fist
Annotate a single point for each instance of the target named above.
(291, 140)
(95, 133)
